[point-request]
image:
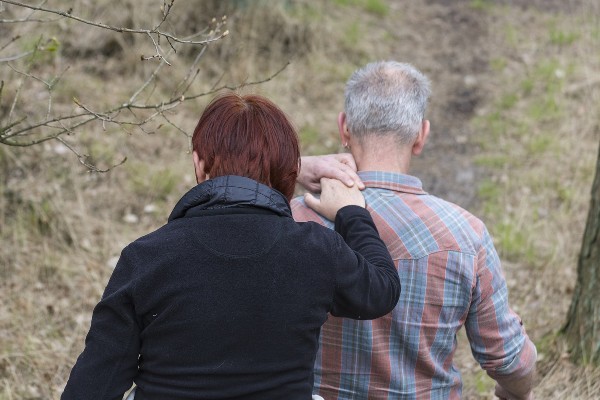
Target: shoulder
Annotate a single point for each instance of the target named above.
(167, 239)
(302, 213)
(456, 214)
(413, 225)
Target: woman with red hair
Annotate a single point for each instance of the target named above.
(227, 299)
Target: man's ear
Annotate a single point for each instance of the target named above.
(201, 176)
(343, 129)
(421, 138)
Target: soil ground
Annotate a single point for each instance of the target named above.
(51, 281)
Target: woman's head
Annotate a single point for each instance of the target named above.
(247, 136)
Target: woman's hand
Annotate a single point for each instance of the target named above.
(334, 195)
(336, 166)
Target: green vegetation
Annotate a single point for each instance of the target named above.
(377, 7)
(352, 34)
(152, 184)
(482, 5)
(531, 140)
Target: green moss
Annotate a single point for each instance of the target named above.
(344, 2)
(513, 242)
(483, 383)
(561, 38)
(494, 124)
(540, 144)
(508, 101)
(482, 5)
(489, 191)
(527, 86)
(545, 110)
(512, 35)
(498, 64)
(150, 184)
(352, 35)
(495, 161)
(378, 7)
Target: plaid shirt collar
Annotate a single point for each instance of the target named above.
(392, 181)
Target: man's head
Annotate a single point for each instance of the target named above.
(247, 136)
(386, 98)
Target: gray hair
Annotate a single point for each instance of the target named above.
(386, 98)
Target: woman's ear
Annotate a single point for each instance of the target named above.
(201, 176)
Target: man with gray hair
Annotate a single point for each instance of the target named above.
(449, 269)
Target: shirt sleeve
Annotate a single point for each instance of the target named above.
(106, 367)
(367, 282)
(496, 334)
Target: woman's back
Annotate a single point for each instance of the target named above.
(226, 301)
(237, 302)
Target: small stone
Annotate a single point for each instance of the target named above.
(131, 218)
(150, 208)
(112, 262)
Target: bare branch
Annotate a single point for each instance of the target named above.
(147, 82)
(13, 39)
(176, 126)
(157, 55)
(236, 87)
(166, 9)
(17, 21)
(141, 111)
(191, 75)
(16, 56)
(84, 157)
(28, 18)
(166, 35)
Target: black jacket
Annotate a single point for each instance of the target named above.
(226, 300)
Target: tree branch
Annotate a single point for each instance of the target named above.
(166, 35)
(138, 111)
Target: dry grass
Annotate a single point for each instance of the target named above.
(515, 134)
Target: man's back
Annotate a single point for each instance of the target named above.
(450, 275)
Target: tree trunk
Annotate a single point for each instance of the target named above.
(582, 329)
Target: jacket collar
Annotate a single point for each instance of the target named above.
(231, 191)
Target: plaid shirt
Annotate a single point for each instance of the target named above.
(450, 275)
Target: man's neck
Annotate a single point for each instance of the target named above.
(382, 155)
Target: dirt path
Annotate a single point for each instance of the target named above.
(450, 47)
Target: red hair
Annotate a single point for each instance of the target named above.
(248, 136)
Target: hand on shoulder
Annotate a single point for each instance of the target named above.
(335, 166)
(334, 196)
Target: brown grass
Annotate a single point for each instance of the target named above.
(527, 169)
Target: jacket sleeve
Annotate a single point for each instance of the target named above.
(496, 334)
(367, 282)
(106, 367)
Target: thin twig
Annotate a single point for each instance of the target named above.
(147, 82)
(166, 35)
(187, 77)
(18, 21)
(176, 126)
(216, 89)
(12, 40)
(28, 75)
(5, 129)
(17, 56)
(157, 55)
(170, 102)
(83, 158)
(166, 9)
